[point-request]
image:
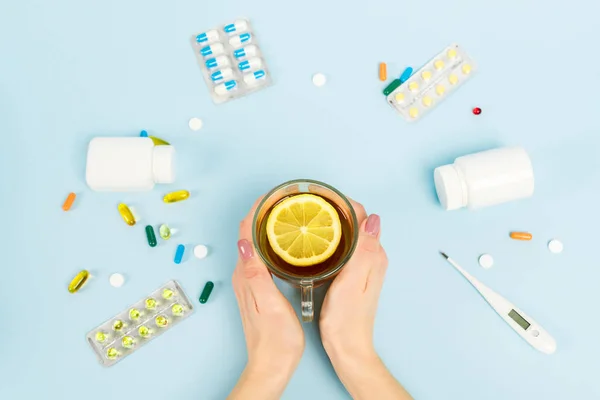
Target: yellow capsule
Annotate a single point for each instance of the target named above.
(126, 214)
(150, 303)
(78, 281)
(452, 53)
(101, 336)
(167, 294)
(413, 86)
(134, 314)
(128, 342)
(158, 141)
(427, 101)
(112, 353)
(413, 112)
(118, 325)
(453, 79)
(426, 75)
(439, 64)
(177, 309)
(466, 69)
(161, 321)
(440, 89)
(174, 197)
(144, 331)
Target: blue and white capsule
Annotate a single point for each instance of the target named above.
(221, 74)
(215, 62)
(207, 37)
(223, 88)
(240, 40)
(253, 77)
(252, 63)
(212, 50)
(238, 26)
(245, 52)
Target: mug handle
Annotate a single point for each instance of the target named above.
(306, 300)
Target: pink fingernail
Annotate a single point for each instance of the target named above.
(245, 248)
(373, 225)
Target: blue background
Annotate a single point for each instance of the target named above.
(72, 70)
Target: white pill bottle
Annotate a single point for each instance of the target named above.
(484, 179)
(128, 164)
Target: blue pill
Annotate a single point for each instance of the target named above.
(144, 134)
(250, 64)
(179, 254)
(213, 49)
(406, 74)
(222, 74)
(239, 25)
(217, 62)
(206, 37)
(239, 40)
(247, 51)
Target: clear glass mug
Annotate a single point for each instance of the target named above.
(306, 278)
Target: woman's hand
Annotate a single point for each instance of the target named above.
(274, 337)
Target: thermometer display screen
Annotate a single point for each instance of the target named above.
(519, 320)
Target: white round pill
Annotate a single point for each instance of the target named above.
(195, 124)
(117, 280)
(555, 246)
(200, 251)
(486, 261)
(319, 79)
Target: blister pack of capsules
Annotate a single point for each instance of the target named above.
(431, 84)
(231, 61)
(132, 328)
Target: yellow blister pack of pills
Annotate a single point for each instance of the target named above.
(431, 84)
(144, 320)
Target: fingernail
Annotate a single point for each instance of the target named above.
(245, 248)
(373, 225)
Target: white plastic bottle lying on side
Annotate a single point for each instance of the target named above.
(128, 164)
(485, 179)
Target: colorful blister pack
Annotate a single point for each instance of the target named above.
(132, 328)
(431, 84)
(231, 61)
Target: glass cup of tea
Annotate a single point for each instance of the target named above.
(307, 276)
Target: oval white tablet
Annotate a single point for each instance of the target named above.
(116, 280)
(195, 124)
(319, 79)
(486, 261)
(555, 246)
(200, 251)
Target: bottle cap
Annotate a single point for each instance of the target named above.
(450, 188)
(163, 164)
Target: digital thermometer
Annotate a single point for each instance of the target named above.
(525, 326)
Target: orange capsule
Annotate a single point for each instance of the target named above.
(69, 202)
(521, 235)
(382, 72)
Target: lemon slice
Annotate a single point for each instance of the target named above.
(304, 230)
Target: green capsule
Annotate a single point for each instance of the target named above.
(391, 87)
(150, 235)
(206, 292)
(164, 231)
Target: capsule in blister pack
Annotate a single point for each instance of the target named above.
(431, 84)
(148, 318)
(231, 61)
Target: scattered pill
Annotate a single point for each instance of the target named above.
(237, 26)
(247, 51)
(392, 86)
(150, 236)
(158, 141)
(69, 201)
(126, 214)
(118, 325)
(218, 61)
(382, 72)
(253, 77)
(167, 294)
(200, 251)
(78, 281)
(164, 231)
(239, 40)
(116, 280)
(406, 74)
(319, 79)
(250, 64)
(555, 246)
(150, 303)
(144, 331)
(177, 309)
(206, 292)
(521, 235)
(195, 124)
(161, 321)
(477, 111)
(486, 261)
(101, 336)
(213, 49)
(223, 88)
(179, 254)
(128, 342)
(174, 197)
(221, 74)
(143, 134)
(134, 314)
(112, 353)
(206, 37)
